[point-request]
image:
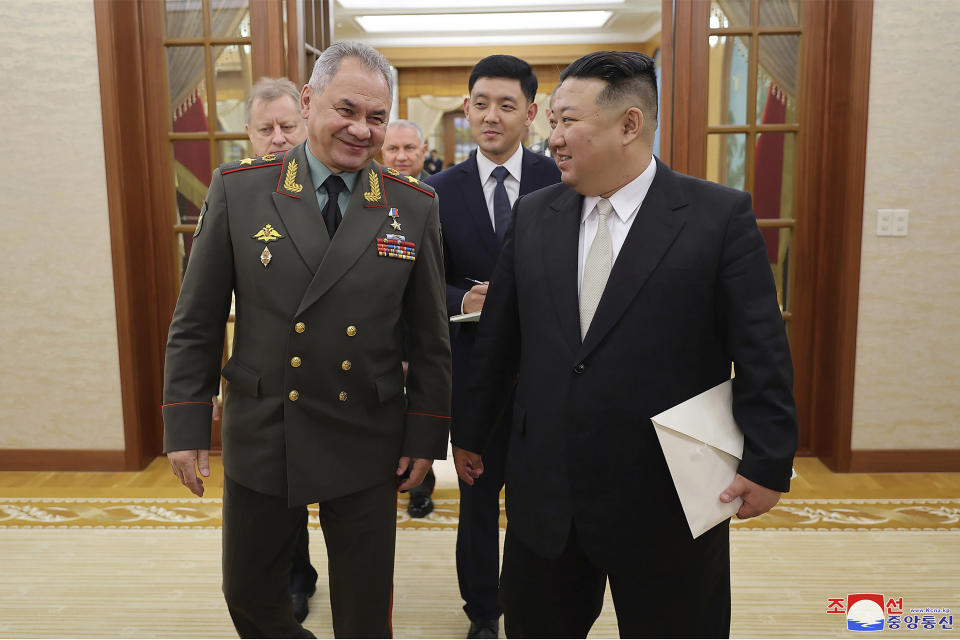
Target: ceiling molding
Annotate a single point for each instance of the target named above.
(467, 56)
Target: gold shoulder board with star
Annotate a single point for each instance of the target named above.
(409, 181)
(269, 160)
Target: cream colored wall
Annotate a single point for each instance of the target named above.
(59, 376)
(907, 390)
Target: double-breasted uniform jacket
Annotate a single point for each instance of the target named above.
(315, 405)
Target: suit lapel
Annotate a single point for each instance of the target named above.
(475, 205)
(560, 238)
(653, 231)
(526, 172)
(365, 215)
(296, 202)
(530, 179)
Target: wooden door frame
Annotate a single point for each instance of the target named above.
(831, 163)
(142, 265)
(140, 203)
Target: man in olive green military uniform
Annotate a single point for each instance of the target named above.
(328, 254)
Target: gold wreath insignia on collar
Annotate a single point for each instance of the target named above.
(374, 194)
(289, 183)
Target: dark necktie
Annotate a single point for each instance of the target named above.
(501, 204)
(331, 212)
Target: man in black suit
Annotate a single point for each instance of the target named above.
(619, 294)
(475, 201)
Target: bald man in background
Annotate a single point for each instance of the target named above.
(404, 148)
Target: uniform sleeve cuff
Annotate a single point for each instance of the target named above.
(186, 425)
(426, 435)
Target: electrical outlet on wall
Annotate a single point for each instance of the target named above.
(901, 222)
(892, 222)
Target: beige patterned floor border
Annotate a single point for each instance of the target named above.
(204, 513)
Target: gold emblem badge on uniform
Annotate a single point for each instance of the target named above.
(266, 235)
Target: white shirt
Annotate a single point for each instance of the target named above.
(512, 182)
(626, 202)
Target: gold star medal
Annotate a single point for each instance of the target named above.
(393, 213)
(266, 235)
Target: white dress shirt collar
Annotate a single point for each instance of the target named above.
(626, 203)
(628, 198)
(513, 165)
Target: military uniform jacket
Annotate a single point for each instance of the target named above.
(315, 405)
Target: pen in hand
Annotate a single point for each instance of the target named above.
(473, 281)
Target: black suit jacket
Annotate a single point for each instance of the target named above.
(690, 293)
(470, 245)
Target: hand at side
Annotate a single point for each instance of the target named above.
(469, 464)
(417, 473)
(185, 464)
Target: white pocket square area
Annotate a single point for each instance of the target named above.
(703, 446)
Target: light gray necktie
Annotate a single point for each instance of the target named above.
(596, 271)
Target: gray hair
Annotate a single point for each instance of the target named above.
(407, 123)
(269, 89)
(329, 62)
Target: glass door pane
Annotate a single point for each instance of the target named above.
(729, 79)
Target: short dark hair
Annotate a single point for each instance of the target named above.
(503, 66)
(628, 74)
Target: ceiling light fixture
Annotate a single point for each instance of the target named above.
(480, 22)
(416, 5)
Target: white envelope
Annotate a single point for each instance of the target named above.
(703, 446)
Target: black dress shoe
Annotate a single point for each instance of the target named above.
(420, 506)
(300, 607)
(483, 629)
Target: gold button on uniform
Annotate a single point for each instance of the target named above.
(351, 331)
(299, 327)
(294, 395)
(343, 396)
(295, 361)
(345, 365)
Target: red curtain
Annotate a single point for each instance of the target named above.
(768, 172)
(194, 155)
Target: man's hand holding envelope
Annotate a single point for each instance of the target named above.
(756, 500)
(703, 447)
